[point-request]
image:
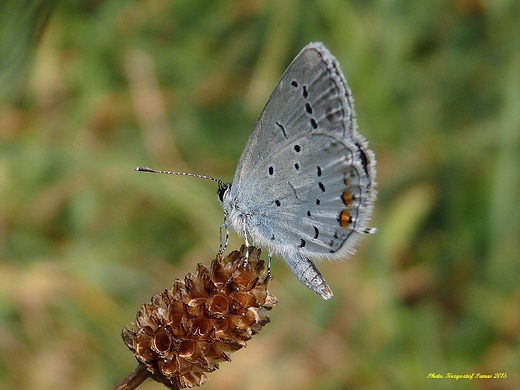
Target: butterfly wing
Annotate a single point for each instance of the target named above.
(284, 112)
(304, 186)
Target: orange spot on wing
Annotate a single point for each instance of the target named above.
(346, 197)
(345, 219)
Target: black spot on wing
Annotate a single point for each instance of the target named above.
(282, 128)
(364, 159)
(305, 93)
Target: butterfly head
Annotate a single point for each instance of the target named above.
(222, 189)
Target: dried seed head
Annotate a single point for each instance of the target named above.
(186, 331)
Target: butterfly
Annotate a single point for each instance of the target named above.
(304, 187)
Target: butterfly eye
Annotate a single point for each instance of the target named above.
(222, 190)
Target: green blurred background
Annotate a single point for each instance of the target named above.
(90, 89)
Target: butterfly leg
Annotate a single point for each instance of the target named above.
(269, 257)
(223, 243)
(247, 244)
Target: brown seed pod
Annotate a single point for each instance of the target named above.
(186, 331)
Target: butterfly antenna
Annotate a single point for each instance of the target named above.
(146, 169)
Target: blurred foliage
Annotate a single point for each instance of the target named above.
(91, 89)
